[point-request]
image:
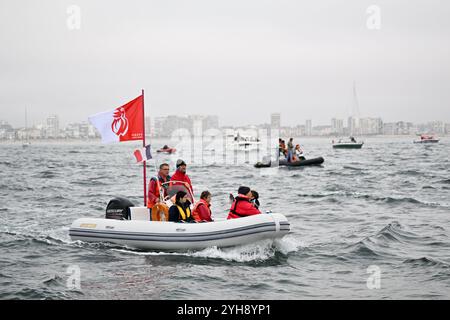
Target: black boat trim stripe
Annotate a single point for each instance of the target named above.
(167, 236)
(210, 238)
(132, 233)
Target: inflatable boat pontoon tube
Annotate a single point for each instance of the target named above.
(163, 235)
(283, 162)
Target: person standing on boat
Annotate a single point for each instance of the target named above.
(202, 209)
(290, 150)
(242, 206)
(180, 211)
(180, 174)
(155, 183)
(282, 148)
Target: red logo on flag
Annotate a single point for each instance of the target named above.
(128, 120)
(120, 122)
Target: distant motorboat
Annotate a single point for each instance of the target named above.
(350, 144)
(298, 163)
(427, 139)
(244, 143)
(166, 149)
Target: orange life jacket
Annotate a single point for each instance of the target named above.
(196, 213)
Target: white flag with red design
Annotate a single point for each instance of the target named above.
(121, 124)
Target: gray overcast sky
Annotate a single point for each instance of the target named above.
(239, 59)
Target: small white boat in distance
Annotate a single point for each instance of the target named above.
(426, 139)
(350, 144)
(244, 143)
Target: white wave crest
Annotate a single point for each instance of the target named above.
(255, 252)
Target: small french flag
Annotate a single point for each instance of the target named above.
(143, 154)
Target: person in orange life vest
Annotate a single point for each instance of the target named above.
(180, 211)
(155, 184)
(202, 209)
(180, 174)
(242, 207)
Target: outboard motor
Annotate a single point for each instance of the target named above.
(119, 209)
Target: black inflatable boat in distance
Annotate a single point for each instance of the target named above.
(283, 162)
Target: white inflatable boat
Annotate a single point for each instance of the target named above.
(136, 228)
(141, 233)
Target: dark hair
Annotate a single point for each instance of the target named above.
(163, 165)
(243, 190)
(255, 194)
(180, 194)
(205, 194)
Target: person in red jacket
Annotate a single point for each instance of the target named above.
(202, 209)
(154, 185)
(242, 207)
(180, 174)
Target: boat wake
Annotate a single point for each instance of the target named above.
(260, 251)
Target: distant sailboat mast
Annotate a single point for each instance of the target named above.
(26, 143)
(355, 128)
(26, 125)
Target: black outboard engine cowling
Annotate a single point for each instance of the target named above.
(119, 209)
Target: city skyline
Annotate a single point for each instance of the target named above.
(199, 124)
(284, 122)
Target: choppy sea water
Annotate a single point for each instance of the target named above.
(382, 210)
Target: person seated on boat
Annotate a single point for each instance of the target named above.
(202, 209)
(154, 186)
(242, 207)
(165, 147)
(298, 153)
(254, 199)
(180, 174)
(180, 211)
(352, 139)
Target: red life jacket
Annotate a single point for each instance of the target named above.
(158, 180)
(180, 176)
(196, 212)
(242, 207)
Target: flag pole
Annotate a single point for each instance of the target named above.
(143, 144)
